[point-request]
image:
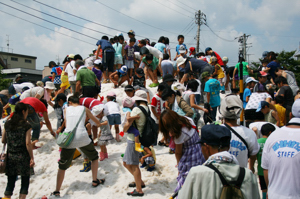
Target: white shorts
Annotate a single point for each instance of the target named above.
(129, 64)
(118, 60)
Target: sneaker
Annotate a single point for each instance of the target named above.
(223, 92)
(143, 165)
(153, 85)
(102, 156)
(151, 168)
(171, 151)
(86, 166)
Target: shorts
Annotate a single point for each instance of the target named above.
(66, 155)
(148, 160)
(133, 130)
(118, 60)
(131, 156)
(262, 182)
(65, 84)
(129, 64)
(114, 119)
(57, 86)
(108, 61)
(89, 91)
(251, 114)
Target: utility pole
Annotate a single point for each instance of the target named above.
(200, 18)
(243, 43)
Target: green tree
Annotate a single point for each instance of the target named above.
(286, 60)
(4, 82)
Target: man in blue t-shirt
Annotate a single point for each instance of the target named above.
(56, 72)
(212, 89)
(108, 57)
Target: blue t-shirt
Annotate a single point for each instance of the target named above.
(105, 45)
(177, 48)
(273, 65)
(247, 92)
(57, 70)
(160, 47)
(213, 87)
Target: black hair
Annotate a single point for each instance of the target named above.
(191, 73)
(116, 39)
(74, 99)
(279, 99)
(17, 118)
(267, 128)
(52, 63)
(235, 91)
(166, 56)
(298, 92)
(143, 41)
(162, 86)
(280, 79)
(161, 39)
(192, 85)
(111, 98)
(132, 40)
(25, 88)
(76, 57)
(105, 37)
(273, 55)
(129, 88)
(111, 40)
(152, 44)
(149, 57)
(180, 36)
(201, 54)
(167, 41)
(277, 69)
(121, 37)
(168, 92)
(66, 59)
(264, 61)
(44, 102)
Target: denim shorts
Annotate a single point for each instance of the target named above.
(114, 119)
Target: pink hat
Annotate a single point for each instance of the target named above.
(128, 102)
(111, 94)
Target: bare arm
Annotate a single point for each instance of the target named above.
(247, 98)
(234, 71)
(275, 115)
(78, 85)
(48, 124)
(98, 51)
(251, 164)
(53, 77)
(4, 137)
(93, 118)
(208, 97)
(184, 79)
(29, 147)
(195, 106)
(149, 153)
(154, 112)
(97, 82)
(266, 177)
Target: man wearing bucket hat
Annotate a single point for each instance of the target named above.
(280, 159)
(243, 142)
(215, 142)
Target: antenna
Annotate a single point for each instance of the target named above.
(7, 43)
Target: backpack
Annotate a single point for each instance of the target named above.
(150, 131)
(230, 190)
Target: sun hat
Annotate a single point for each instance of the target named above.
(215, 135)
(123, 69)
(250, 79)
(261, 105)
(182, 49)
(296, 108)
(97, 62)
(128, 102)
(180, 60)
(71, 56)
(140, 95)
(225, 59)
(231, 107)
(50, 85)
(213, 59)
(111, 94)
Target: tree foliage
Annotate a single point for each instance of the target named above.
(4, 82)
(287, 60)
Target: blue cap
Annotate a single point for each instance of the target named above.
(215, 135)
(261, 105)
(123, 69)
(207, 49)
(264, 54)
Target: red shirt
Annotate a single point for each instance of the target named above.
(158, 103)
(89, 102)
(38, 106)
(220, 61)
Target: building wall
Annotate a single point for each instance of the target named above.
(18, 61)
(46, 71)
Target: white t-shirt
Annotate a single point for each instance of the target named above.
(113, 108)
(69, 69)
(89, 62)
(282, 160)
(258, 125)
(155, 52)
(32, 92)
(19, 87)
(185, 133)
(238, 148)
(255, 98)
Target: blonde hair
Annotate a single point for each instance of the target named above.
(40, 83)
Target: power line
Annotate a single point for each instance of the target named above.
(46, 27)
(49, 21)
(178, 6)
(173, 9)
(218, 35)
(187, 5)
(187, 25)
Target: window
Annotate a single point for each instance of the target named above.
(28, 61)
(14, 59)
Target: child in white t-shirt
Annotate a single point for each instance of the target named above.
(114, 114)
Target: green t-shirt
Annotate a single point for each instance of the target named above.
(261, 142)
(245, 69)
(153, 64)
(86, 77)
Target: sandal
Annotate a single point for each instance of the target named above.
(56, 194)
(134, 185)
(135, 193)
(98, 182)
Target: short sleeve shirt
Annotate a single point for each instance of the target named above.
(57, 70)
(273, 65)
(186, 133)
(129, 52)
(69, 69)
(197, 65)
(105, 45)
(245, 69)
(213, 87)
(160, 47)
(255, 98)
(118, 48)
(247, 92)
(288, 96)
(86, 77)
(142, 120)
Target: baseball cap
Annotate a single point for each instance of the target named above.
(140, 71)
(250, 79)
(213, 59)
(262, 74)
(169, 78)
(123, 69)
(140, 95)
(225, 59)
(96, 110)
(264, 54)
(111, 94)
(182, 49)
(207, 49)
(144, 50)
(129, 88)
(205, 74)
(296, 108)
(215, 135)
(180, 60)
(131, 32)
(120, 34)
(192, 49)
(97, 62)
(128, 102)
(261, 105)
(71, 56)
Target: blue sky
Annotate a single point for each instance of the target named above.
(273, 25)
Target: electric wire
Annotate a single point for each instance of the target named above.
(219, 36)
(173, 9)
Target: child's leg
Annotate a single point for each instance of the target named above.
(95, 132)
(103, 148)
(137, 139)
(88, 128)
(130, 72)
(117, 129)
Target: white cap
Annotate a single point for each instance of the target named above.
(97, 61)
(296, 108)
(180, 60)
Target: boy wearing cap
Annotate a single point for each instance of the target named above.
(262, 78)
(271, 115)
(203, 182)
(280, 159)
(181, 47)
(250, 83)
(120, 76)
(209, 51)
(138, 79)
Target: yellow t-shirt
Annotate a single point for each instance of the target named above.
(281, 113)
